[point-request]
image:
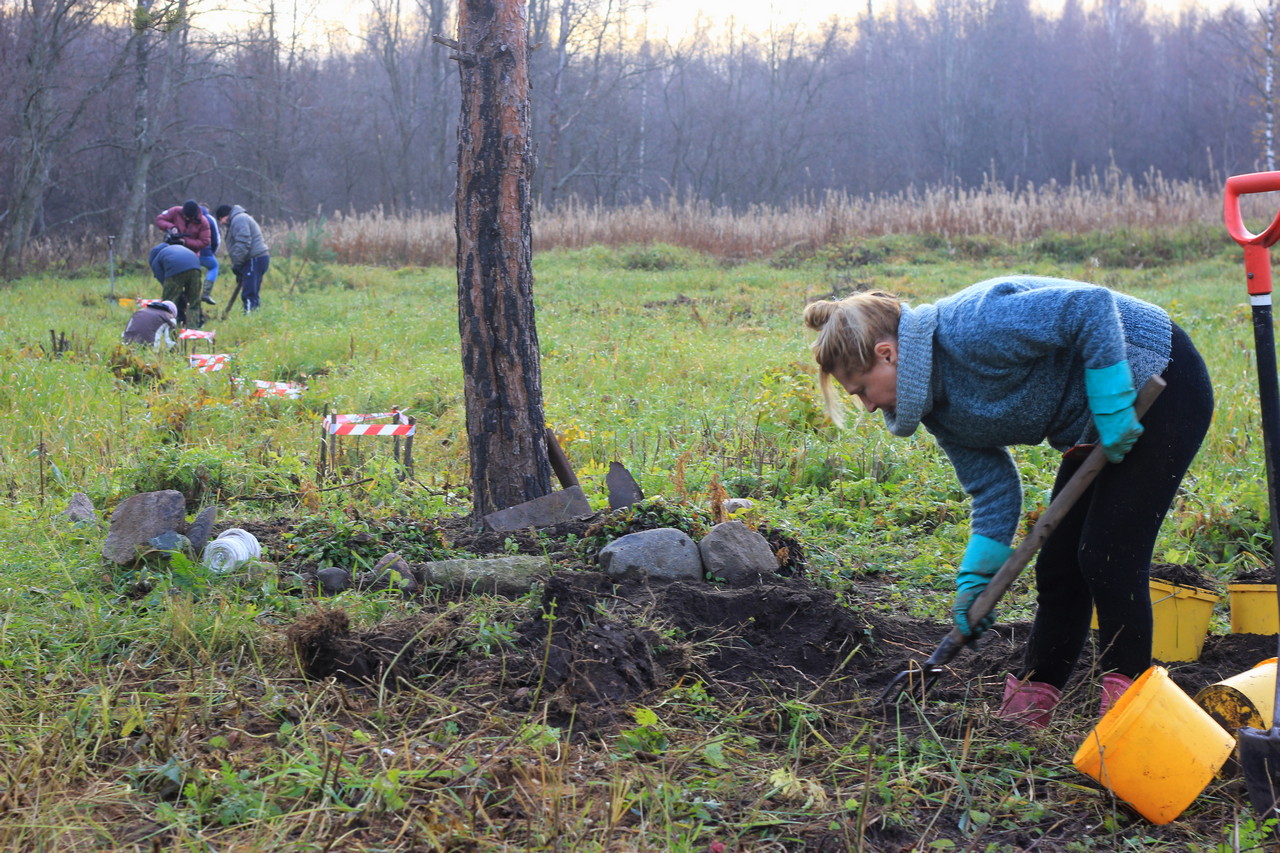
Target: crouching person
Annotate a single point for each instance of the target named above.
(177, 268)
(152, 324)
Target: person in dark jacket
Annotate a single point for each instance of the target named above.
(208, 258)
(249, 253)
(1021, 360)
(177, 268)
(185, 225)
(152, 324)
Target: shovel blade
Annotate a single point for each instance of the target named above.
(1260, 763)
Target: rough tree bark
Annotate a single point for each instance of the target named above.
(501, 362)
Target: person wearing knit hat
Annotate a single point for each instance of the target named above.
(185, 225)
(250, 255)
(1022, 360)
(177, 268)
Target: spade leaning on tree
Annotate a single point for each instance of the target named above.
(1021, 360)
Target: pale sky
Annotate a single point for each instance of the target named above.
(670, 18)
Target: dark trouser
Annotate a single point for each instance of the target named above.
(251, 273)
(183, 290)
(1101, 552)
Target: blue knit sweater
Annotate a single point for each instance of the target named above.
(1002, 362)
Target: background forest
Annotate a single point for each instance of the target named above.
(110, 112)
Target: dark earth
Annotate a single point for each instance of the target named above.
(590, 651)
(612, 644)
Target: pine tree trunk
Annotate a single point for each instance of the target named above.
(502, 374)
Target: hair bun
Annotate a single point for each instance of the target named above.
(816, 314)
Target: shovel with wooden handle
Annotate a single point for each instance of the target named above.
(917, 678)
(1259, 749)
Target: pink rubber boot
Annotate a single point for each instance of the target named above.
(1113, 687)
(1028, 702)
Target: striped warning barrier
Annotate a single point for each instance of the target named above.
(195, 335)
(369, 429)
(208, 362)
(356, 419)
(264, 388)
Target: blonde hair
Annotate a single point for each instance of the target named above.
(848, 331)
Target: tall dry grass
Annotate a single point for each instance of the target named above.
(1098, 201)
(1088, 203)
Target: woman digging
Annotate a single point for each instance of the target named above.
(1021, 360)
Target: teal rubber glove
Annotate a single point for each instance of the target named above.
(983, 557)
(1111, 395)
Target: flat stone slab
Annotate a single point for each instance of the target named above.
(556, 508)
(623, 488)
(509, 576)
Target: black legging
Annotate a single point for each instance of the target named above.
(1101, 552)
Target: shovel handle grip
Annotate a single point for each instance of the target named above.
(1257, 261)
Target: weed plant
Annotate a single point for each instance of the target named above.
(176, 719)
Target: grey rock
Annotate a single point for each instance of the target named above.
(556, 508)
(738, 504)
(333, 580)
(80, 510)
(665, 553)
(138, 519)
(737, 554)
(510, 576)
(623, 488)
(171, 541)
(200, 529)
(392, 571)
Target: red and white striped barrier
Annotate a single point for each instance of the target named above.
(263, 388)
(195, 335)
(351, 424)
(207, 363)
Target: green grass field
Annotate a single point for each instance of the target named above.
(687, 370)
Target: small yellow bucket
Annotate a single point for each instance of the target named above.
(1253, 608)
(1180, 620)
(1155, 749)
(1247, 699)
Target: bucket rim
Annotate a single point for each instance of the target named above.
(1180, 591)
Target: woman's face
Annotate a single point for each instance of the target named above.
(876, 387)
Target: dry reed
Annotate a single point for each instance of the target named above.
(1094, 202)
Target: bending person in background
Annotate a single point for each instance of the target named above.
(177, 268)
(1021, 360)
(185, 225)
(151, 325)
(207, 256)
(249, 253)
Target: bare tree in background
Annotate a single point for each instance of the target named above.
(501, 362)
(153, 96)
(48, 110)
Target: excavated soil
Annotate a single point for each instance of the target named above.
(589, 649)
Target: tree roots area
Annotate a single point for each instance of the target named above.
(658, 716)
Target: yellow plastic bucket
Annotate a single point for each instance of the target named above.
(1253, 608)
(1155, 749)
(1180, 620)
(1247, 699)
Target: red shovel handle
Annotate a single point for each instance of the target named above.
(1257, 261)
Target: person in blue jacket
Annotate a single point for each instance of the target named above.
(1021, 360)
(208, 256)
(177, 268)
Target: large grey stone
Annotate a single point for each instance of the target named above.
(138, 519)
(510, 576)
(556, 508)
(665, 553)
(80, 510)
(737, 554)
(200, 529)
(391, 572)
